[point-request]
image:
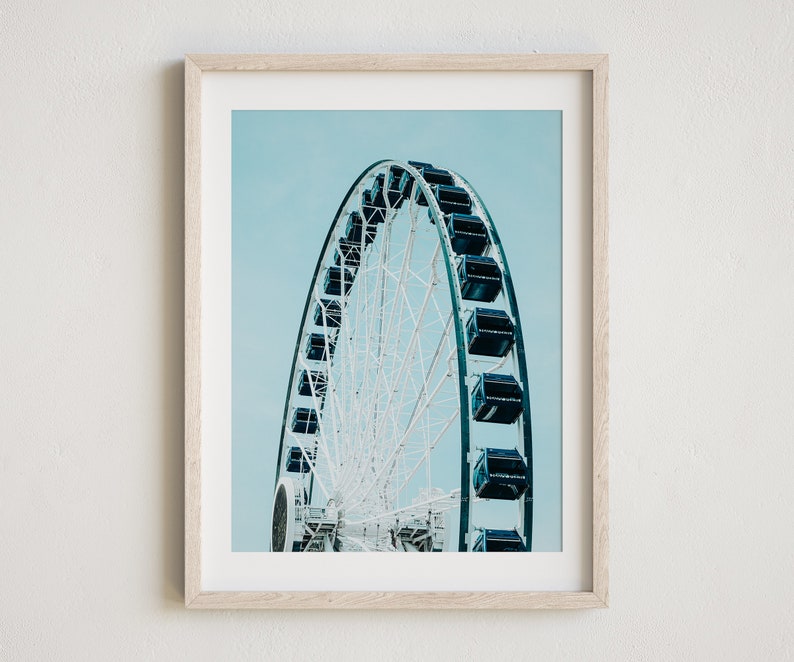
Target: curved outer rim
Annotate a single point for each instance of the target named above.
(464, 538)
(328, 237)
(527, 501)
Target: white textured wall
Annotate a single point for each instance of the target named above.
(702, 274)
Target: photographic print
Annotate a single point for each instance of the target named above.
(396, 331)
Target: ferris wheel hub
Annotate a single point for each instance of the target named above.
(299, 527)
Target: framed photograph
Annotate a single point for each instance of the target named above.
(396, 344)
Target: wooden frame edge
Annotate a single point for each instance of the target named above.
(396, 600)
(195, 598)
(601, 330)
(192, 330)
(398, 61)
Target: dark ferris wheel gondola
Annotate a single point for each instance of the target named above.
(407, 422)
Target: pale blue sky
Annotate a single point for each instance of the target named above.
(290, 171)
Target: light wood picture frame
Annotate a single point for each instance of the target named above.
(199, 444)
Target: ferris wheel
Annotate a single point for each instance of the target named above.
(407, 421)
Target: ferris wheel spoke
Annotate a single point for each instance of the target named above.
(420, 394)
(425, 457)
(373, 413)
(353, 389)
(307, 458)
(397, 450)
(424, 401)
(412, 341)
(384, 415)
(442, 502)
(371, 320)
